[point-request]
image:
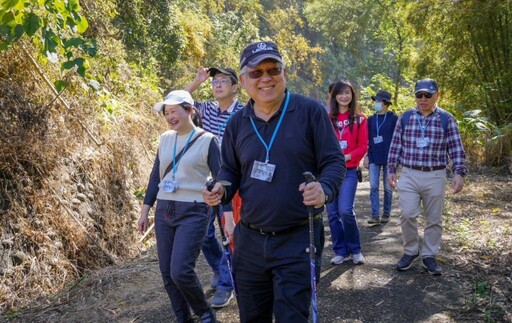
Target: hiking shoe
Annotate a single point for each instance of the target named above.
(385, 219)
(208, 317)
(214, 281)
(406, 262)
(338, 260)
(358, 259)
(221, 298)
(373, 222)
(430, 264)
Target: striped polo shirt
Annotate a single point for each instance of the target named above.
(214, 120)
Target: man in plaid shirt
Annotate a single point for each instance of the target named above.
(422, 146)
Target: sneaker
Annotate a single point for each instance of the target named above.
(358, 259)
(373, 222)
(430, 264)
(406, 262)
(385, 219)
(338, 260)
(221, 298)
(208, 317)
(214, 281)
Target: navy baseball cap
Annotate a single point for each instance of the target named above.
(257, 52)
(228, 71)
(426, 85)
(382, 96)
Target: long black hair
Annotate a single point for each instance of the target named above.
(339, 87)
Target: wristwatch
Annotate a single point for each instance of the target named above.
(326, 198)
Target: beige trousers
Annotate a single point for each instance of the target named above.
(418, 189)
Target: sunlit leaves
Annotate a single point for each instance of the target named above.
(53, 25)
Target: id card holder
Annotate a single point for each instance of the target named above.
(343, 144)
(378, 140)
(423, 142)
(169, 186)
(263, 171)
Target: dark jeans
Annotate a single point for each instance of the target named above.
(180, 229)
(214, 255)
(273, 273)
(211, 247)
(342, 218)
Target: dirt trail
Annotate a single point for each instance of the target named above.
(373, 292)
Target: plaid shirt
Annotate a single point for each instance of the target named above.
(404, 149)
(214, 120)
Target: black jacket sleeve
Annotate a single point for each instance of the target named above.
(154, 180)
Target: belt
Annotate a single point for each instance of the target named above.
(275, 233)
(425, 169)
(351, 168)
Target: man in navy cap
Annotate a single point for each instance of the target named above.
(423, 140)
(380, 131)
(266, 148)
(216, 115)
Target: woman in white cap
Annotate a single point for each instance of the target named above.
(187, 155)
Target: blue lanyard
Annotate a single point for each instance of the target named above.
(377, 122)
(422, 128)
(267, 147)
(175, 164)
(222, 126)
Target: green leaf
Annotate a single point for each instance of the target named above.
(81, 71)
(7, 18)
(82, 25)
(49, 41)
(73, 42)
(31, 24)
(71, 24)
(91, 50)
(4, 45)
(9, 4)
(18, 32)
(68, 65)
(60, 85)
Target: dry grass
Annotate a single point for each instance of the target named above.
(66, 203)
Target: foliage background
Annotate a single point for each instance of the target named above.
(76, 151)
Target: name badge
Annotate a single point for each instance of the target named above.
(343, 144)
(169, 186)
(377, 140)
(263, 171)
(423, 142)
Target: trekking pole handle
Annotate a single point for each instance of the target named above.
(309, 177)
(209, 186)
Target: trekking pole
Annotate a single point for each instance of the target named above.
(314, 308)
(225, 240)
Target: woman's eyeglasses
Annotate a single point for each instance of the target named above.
(256, 74)
(423, 94)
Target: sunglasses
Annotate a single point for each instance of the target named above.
(216, 82)
(256, 74)
(423, 94)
